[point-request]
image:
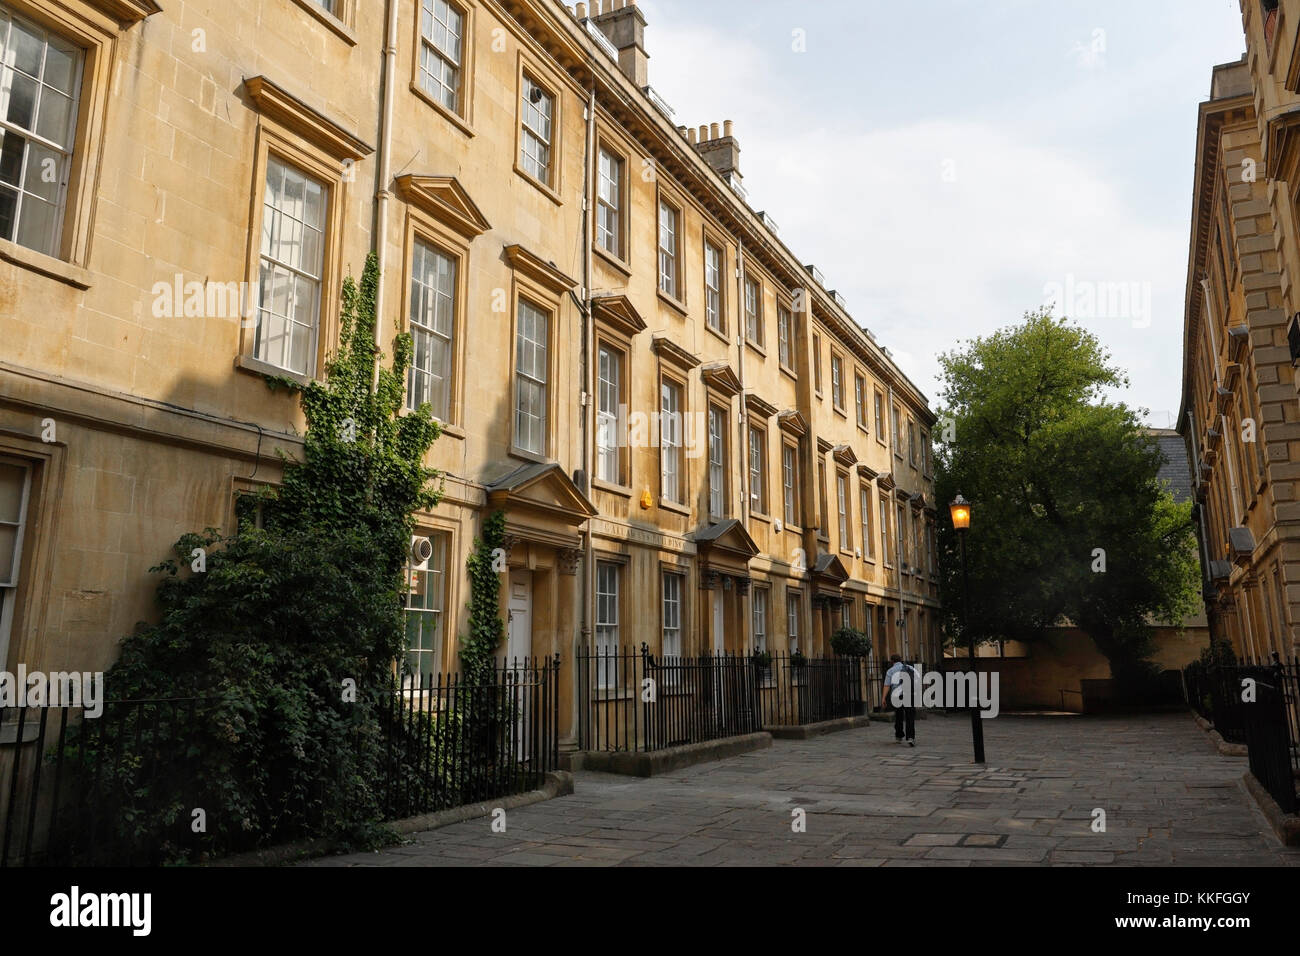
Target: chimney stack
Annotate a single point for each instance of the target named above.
(721, 150)
(624, 24)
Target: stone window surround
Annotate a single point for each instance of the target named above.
(541, 77)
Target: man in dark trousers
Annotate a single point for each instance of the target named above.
(903, 684)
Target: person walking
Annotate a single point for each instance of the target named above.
(902, 684)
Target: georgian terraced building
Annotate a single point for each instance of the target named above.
(1241, 409)
(695, 444)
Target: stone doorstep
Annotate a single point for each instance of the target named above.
(558, 784)
(1285, 825)
(636, 764)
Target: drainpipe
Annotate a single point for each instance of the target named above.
(588, 370)
(898, 556)
(743, 423)
(383, 174)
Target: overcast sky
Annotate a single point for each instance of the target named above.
(952, 164)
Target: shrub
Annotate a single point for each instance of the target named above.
(850, 642)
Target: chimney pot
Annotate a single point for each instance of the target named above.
(728, 128)
(713, 131)
(704, 133)
(690, 135)
(582, 11)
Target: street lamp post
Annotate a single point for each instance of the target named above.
(960, 511)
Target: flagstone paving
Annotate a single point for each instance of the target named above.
(1169, 799)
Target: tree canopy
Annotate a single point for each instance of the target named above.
(1070, 523)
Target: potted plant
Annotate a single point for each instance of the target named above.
(762, 660)
(797, 659)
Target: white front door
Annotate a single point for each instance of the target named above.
(718, 643)
(519, 643)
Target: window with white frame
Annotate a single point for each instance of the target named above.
(609, 395)
(759, 615)
(40, 78)
(668, 249)
(713, 286)
(837, 380)
(609, 204)
(672, 478)
(896, 438)
(290, 268)
(433, 325)
(911, 443)
(426, 583)
(864, 516)
(607, 582)
(783, 337)
(672, 615)
(535, 139)
(868, 625)
(880, 416)
(717, 462)
(329, 6)
(753, 311)
(789, 483)
(15, 490)
(900, 529)
(860, 399)
(531, 374)
(846, 614)
(757, 470)
(792, 614)
(842, 501)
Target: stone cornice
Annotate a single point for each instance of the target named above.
(276, 103)
(672, 353)
(540, 271)
(757, 406)
(127, 12)
(721, 378)
(617, 313)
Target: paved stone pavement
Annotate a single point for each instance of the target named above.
(1169, 799)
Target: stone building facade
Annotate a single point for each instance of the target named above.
(1240, 413)
(695, 444)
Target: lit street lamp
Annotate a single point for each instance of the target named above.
(960, 512)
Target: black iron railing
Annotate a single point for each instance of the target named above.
(451, 741)
(78, 790)
(1256, 703)
(632, 700)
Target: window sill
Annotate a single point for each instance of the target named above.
(331, 22)
(760, 516)
(455, 119)
(537, 184)
(673, 506)
(792, 528)
(48, 266)
(790, 373)
(255, 366)
(451, 431)
(839, 410)
(863, 428)
(611, 260)
(719, 335)
(676, 304)
(756, 347)
(517, 452)
(622, 491)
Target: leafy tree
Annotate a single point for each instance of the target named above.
(270, 626)
(1070, 522)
